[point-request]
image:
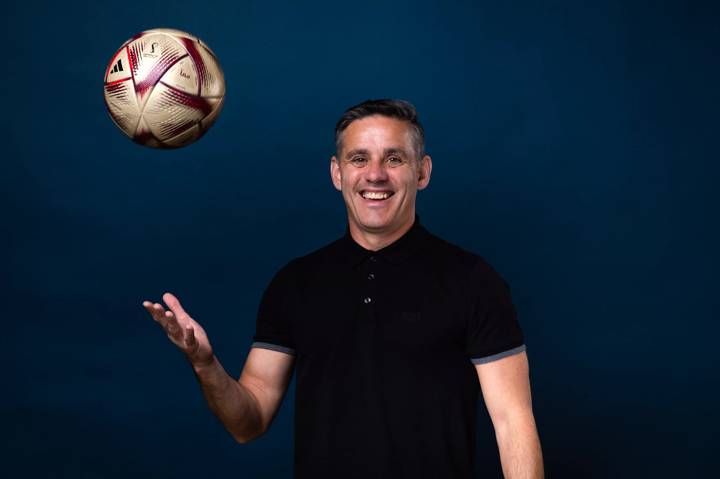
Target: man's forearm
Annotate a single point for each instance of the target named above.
(519, 445)
(232, 403)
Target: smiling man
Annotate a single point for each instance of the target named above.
(379, 167)
(393, 332)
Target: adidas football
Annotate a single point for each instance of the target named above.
(164, 88)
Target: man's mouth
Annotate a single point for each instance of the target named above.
(376, 195)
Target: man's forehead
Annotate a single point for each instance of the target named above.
(376, 130)
(378, 122)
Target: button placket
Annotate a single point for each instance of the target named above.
(369, 283)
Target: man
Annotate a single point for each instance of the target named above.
(393, 332)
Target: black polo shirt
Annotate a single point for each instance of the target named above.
(384, 344)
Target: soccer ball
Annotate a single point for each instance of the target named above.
(164, 88)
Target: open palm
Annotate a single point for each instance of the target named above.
(182, 330)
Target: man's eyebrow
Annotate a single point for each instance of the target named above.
(395, 150)
(356, 151)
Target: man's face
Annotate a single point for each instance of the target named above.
(378, 173)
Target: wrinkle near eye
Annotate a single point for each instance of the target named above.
(357, 161)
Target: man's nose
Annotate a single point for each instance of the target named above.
(376, 171)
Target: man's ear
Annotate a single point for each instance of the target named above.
(335, 173)
(424, 172)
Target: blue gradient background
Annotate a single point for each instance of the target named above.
(573, 148)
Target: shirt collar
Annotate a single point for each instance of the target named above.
(396, 252)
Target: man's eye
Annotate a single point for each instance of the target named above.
(357, 159)
(394, 160)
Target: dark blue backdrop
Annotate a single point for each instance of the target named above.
(573, 148)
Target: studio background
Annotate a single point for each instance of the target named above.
(574, 147)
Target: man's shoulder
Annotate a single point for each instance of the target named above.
(458, 259)
(324, 255)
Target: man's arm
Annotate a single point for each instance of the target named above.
(246, 407)
(505, 386)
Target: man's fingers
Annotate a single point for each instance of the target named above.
(147, 305)
(190, 340)
(172, 325)
(174, 304)
(182, 333)
(158, 313)
(155, 310)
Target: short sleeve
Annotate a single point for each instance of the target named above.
(493, 331)
(274, 324)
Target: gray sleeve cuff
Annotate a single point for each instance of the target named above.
(273, 347)
(497, 356)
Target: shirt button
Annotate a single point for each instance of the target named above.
(371, 276)
(373, 259)
(367, 300)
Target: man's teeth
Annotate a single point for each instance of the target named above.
(375, 195)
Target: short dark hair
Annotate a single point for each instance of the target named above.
(400, 109)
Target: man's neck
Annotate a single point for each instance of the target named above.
(377, 241)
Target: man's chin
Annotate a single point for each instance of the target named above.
(376, 224)
(375, 221)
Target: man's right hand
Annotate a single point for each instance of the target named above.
(246, 407)
(182, 330)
